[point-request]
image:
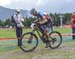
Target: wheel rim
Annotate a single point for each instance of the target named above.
(55, 40)
(29, 42)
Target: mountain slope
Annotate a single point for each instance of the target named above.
(6, 13)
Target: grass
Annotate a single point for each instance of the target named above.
(10, 33)
(63, 30)
(7, 33)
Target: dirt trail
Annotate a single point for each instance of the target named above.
(41, 53)
(11, 54)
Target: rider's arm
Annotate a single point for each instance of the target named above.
(37, 20)
(44, 20)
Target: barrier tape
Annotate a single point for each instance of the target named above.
(8, 38)
(68, 34)
(16, 38)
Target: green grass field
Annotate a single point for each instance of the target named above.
(10, 33)
(10, 50)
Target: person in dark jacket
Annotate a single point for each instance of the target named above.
(17, 22)
(73, 25)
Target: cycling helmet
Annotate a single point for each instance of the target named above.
(32, 11)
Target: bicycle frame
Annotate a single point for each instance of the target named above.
(39, 34)
(37, 28)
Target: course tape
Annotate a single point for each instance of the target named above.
(68, 34)
(53, 35)
(8, 38)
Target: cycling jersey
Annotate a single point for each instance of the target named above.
(41, 14)
(47, 24)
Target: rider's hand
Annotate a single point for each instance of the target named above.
(38, 23)
(35, 21)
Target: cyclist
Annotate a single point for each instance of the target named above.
(17, 21)
(43, 19)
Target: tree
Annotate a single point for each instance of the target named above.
(56, 18)
(7, 22)
(27, 22)
(67, 18)
(1, 23)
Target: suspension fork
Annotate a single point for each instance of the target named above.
(30, 39)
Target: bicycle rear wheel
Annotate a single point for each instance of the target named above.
(55, 39)
(29, 42)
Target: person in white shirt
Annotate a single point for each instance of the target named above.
(18, 18)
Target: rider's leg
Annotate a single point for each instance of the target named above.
(46, 36)
(46, 33)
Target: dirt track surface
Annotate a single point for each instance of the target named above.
(65, 52)
(11, 51)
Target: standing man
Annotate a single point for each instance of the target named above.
(73, 25)
(17, 20)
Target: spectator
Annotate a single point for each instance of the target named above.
(17, 21)
(73, 25)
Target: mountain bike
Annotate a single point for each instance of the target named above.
(30, 40)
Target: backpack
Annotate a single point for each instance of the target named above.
(13, 21)
(48, 17)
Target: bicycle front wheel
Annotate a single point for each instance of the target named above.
(29, 42)
(55, 39)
